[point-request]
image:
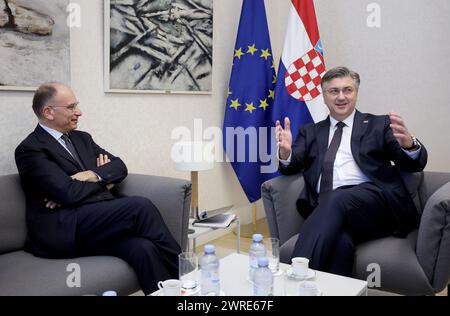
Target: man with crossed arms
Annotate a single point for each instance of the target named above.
(71, 207)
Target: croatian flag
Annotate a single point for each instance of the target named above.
(298, 94)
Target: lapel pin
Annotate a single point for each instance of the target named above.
(366, 121)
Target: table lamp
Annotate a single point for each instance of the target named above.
(193, 157)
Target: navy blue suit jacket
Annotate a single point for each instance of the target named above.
(375, 150)
(45, 168)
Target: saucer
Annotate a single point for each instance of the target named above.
(183, 292)
(222, 293)
(190, 292)
(311, 274)
(319, 293)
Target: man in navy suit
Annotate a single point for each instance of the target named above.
(72, 209)
(353, 192)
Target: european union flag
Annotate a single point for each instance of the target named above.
(249, 134)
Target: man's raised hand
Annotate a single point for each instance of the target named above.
(284, 138)
(401, 133)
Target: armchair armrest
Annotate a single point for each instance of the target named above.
(171, 196)
(433, 242)
(279, 196)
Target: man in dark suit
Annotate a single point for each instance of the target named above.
(352, 193)
(72, 210)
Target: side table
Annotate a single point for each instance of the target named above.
(199, 231)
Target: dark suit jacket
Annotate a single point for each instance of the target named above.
(45, 168)
(374, 148)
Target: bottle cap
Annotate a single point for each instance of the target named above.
(257, 237)
(210, 249)
(109, 293)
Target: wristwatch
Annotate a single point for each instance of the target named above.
(415, 144)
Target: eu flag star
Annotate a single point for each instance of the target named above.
(265, 53)
(252, 50)
(235, 104)
(263, 104)
(238, 53)
(250, 108)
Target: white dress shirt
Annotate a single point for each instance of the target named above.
(56, 135)
(345, 170)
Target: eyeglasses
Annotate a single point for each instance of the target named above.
(335, 91)
(71, 107)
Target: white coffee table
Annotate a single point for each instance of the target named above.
(234, 280)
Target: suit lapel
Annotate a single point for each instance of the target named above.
(322, 134)
(80, 148)
(54, 145)
(360, 124)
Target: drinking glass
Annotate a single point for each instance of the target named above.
(188, 271)
(273, 253)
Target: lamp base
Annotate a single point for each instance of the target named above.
(260, 227)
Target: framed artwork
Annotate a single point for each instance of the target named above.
(34, 43)
(159, 46)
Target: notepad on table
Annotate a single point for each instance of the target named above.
(216, 221)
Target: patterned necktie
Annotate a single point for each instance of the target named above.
(326, 182)
(72, 150)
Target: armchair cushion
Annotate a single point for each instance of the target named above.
(279, 196)
(433, 241)
(24, 274)
(401, 274)
(412, 182)
(13, 228)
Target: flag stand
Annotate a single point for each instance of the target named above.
(254, 227)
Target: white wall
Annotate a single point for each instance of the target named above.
(403, 66)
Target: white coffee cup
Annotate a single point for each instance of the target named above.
(308, 288)
(171, 287)
(300, 266)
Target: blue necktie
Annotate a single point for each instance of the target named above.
(72, 150)
(326, 182)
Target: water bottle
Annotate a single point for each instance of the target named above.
(209, 267)
(263, 278)
(257, 249)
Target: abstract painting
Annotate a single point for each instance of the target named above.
(158, 46)
(34, 43)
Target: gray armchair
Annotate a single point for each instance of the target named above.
(416, 265)
(21, 273)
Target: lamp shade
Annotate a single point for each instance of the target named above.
(193, 156)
